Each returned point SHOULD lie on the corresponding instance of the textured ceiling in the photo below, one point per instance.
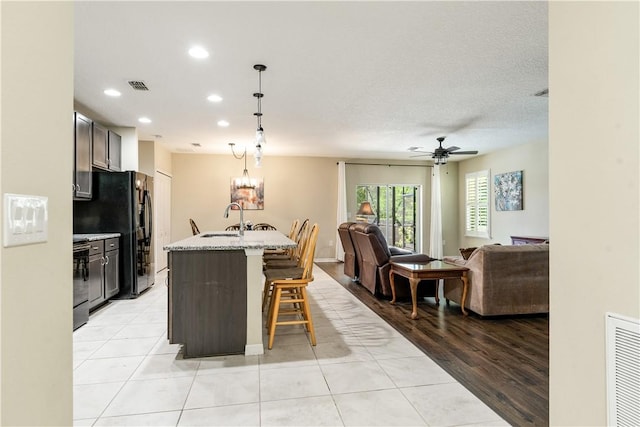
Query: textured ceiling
(346, 79)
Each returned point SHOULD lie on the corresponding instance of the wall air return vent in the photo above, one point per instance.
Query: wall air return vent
(623, 370)
(138, 85)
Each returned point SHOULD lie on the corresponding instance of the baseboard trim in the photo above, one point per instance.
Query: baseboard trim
(326, 260)
(253, 349)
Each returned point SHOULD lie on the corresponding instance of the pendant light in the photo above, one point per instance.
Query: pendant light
(245, 182)
(260, 138)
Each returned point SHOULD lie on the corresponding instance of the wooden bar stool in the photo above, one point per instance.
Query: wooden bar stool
(292, 292)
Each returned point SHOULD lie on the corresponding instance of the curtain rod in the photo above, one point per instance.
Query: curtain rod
(385, 164)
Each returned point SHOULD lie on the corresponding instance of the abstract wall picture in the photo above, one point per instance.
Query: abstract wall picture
(249, 196)
(508, 191)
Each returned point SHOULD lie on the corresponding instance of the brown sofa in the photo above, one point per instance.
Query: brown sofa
(504, 280)
(374, 257)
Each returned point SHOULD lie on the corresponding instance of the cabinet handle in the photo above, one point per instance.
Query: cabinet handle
(94, 247)
(112, 244)
(107, 260)
(102, 261)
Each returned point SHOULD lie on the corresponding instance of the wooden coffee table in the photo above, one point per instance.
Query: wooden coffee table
(432, 270)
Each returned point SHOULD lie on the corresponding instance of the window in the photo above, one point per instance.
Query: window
(396, 210)
(477, 208)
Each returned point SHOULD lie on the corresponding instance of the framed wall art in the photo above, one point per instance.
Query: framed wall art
(250, 197)
(507, 189)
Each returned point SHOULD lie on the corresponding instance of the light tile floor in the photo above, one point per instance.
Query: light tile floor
(362, 372)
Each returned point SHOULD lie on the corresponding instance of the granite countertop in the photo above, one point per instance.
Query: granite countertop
(229, 240)
(93, 237)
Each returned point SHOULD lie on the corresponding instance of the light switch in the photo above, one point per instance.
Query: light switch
(25, 219)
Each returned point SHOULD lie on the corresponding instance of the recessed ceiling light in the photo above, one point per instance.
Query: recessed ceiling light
(223, 123)
(214, 98)
(198, 52)
(144, 120)
(112, 92)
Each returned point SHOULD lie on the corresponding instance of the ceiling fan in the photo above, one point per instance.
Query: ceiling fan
(440, 154)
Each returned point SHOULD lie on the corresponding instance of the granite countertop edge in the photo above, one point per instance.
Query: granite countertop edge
(224, 247)
(226, 243)
(91, 237)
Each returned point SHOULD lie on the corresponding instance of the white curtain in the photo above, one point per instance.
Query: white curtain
(341, 215)
(435, 241)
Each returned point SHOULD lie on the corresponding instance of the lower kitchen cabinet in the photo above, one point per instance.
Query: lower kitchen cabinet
(96, 274)
(111, 267)
(104, 271)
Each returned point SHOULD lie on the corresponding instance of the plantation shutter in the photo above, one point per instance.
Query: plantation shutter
(477, 204)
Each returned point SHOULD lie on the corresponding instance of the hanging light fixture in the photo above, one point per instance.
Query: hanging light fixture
(245, 182)
(260, 138)
(440, 160)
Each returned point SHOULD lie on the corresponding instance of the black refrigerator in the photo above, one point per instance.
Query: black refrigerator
(122, 203)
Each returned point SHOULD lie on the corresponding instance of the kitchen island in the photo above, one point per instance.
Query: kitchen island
(215, 291)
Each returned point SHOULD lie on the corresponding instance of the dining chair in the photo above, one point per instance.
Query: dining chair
(293, 253)
(263, 226)
(194, 227)
(289, 293)
(294, 258)
(282, 252)
(289, 262)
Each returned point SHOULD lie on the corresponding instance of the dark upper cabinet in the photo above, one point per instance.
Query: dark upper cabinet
(114, 155)
(83, 157)
(100, 146)
(106, 149)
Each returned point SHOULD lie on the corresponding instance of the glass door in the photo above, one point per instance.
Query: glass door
(396, 209)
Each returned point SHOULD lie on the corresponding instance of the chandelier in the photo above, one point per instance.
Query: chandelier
(260, 138)
(245, 182)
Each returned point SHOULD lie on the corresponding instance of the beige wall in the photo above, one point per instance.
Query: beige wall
(594, 196)
(163, 159)
(146, 157)
(37, 154)
(294, 187)
(533, 220)
(152, 157)
(450, 208)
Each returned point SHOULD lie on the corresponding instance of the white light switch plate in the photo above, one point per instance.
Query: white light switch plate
(25, 219)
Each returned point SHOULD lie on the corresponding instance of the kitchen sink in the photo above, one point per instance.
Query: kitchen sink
(220, 235)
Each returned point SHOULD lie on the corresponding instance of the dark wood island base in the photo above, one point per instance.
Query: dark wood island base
(208, 302)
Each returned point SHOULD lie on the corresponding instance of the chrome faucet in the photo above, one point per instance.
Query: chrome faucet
(226, 215)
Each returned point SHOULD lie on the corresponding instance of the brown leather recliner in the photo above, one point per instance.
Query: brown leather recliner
(350, 259)
(375, 256)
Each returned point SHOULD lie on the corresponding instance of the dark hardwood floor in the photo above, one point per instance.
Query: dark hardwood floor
(504, 361)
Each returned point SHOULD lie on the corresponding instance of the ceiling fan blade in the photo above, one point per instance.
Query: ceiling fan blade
(452, 148)
(423, 155)
(465, 152)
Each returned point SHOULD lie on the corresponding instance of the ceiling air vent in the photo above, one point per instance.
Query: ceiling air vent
(138, 85)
